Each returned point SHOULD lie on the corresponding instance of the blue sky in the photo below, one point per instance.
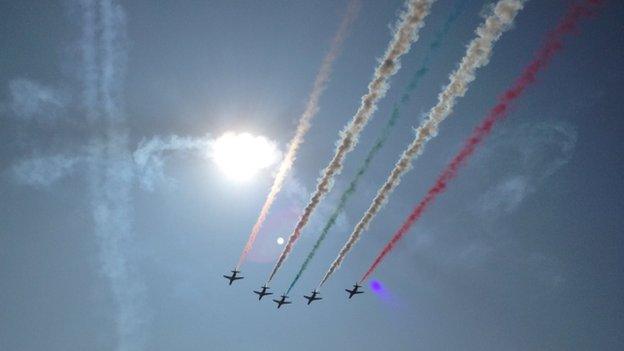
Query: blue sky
(522, 253)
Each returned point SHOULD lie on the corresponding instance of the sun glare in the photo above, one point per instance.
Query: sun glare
(241, 156)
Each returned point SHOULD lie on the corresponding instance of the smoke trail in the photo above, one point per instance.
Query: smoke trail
(406, 33)
(149, 160)
(312, 107)
(110, 162)
(458, 9)
(477, 55)
(348, 192)
(154, 147)
(385, 133)
(553, 44)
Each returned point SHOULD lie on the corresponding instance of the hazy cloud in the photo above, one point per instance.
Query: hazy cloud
(534, 151)
(504, 196)
(512, 166)
(149, 157)
(43, 171)
(29, 99)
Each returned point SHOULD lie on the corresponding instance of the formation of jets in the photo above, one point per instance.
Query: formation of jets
(283, 298)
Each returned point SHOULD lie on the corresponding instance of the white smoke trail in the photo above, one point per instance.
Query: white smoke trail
(312, 107)
(148, 149)
(477, 55)
(149, 160)
(110, 163)
(410, 22)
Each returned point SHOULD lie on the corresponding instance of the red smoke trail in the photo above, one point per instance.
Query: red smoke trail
(554, 43)
(304, 124)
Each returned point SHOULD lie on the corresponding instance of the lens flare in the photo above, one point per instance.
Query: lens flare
(375, 286)
(382, 293)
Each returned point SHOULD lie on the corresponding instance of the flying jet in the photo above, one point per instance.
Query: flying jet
(313, 297)
(282, 301)
(263, 292)
(233, 277)
(354, 291)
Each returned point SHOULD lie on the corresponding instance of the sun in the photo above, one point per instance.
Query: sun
(241, 156)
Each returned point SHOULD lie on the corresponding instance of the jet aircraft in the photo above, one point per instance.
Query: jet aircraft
(354, 290)
(262, 293)
(233, 277)
(282, 301)
(313, 297)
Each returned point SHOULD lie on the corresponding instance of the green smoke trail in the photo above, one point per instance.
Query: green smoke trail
(385, 133)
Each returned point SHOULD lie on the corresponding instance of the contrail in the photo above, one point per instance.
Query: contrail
(477, 55)
(383, 136)
(110, 163)
(410, 22)
(554, 43)
(312, 107)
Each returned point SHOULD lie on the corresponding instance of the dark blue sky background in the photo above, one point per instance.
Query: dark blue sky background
(524, 251)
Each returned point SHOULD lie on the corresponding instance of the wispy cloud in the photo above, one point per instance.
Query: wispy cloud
(505, 196)
(526, 154)
(108, 159)
(42, 171)
(535, 151)
(111, 169)
(149, 157)
(32, 100)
